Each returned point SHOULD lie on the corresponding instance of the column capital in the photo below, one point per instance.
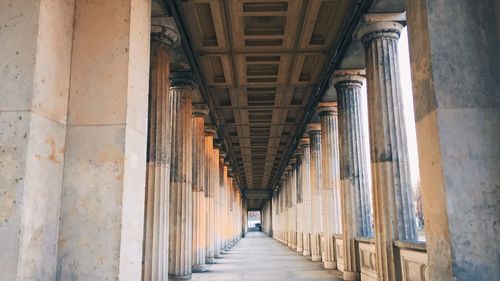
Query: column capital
(182, 79)
(163, 30)
(348, 77)
(313, 128)
(200, 110)
(304, 142)
(379, 29)
(327, 108)
(210, 130)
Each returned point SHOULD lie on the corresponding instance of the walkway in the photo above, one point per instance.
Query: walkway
(259, 257)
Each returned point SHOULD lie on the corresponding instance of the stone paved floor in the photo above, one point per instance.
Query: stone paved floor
(259, 257)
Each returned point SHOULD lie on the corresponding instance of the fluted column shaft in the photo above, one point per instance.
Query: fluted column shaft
(388, 143)
(158, 162)
(226, 228)
(199, 202)
(332, 217)
(293, 200)
(181, 193)
(299, 217)
(354, 171)
(217, 200)
(316, 183)
(209, 196)
(306, 193)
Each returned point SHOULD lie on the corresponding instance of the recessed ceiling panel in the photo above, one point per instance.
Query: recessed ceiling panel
(262, 60)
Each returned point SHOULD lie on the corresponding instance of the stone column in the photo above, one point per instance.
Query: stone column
(217, 182)
(231, 212)
(101, 220)
(306, 194)
(200, 111)
(299, 217)
(181, 192)
(393, 210)
(288, 205)
(225, 185)
(163, 37)
(210, 193)
(454, 51)
(354, 169)
(332, 216)
(314, 132)
(293, 201)
(36, 41)
(245, 218)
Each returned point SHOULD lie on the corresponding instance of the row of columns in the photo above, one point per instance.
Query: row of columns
(193, 203)
(332, 186)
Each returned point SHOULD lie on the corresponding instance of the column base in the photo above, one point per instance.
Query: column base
(218, 256)
(330, 265)
(179, 278)
(350, 275)
(199, 268)
(210, 260)
(294, 247)
(306, 253)
(316, 257)
(300, 250)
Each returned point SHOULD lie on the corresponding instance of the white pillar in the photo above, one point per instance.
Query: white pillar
(181, 192)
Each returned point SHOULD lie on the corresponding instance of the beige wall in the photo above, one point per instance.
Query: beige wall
(35, 40)
(73, 112)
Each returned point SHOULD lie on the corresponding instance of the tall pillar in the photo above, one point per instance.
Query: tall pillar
(388, 143)
(354, 170)
(102, 203)
(181, 192)
(36, 41)
(244, 223)
(210, 193)
(200, 111)
(293, 201)
(299, 198)
(163, 37)
(332, 215)
(455, 50)
(225, 186)
(288, 205)
(306, 193)
(217, 182)
(314, 132)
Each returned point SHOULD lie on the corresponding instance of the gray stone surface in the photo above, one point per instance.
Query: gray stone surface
(455, 51)
(35, 39)
(258, 257)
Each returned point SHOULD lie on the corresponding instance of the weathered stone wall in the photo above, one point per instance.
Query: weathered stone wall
(35, 39)
(455, 54)
(102, 209)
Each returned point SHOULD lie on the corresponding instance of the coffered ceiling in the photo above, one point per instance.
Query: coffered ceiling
(262, 62)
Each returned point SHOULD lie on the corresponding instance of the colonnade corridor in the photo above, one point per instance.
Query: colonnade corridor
(141, 139)
(261, 258)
